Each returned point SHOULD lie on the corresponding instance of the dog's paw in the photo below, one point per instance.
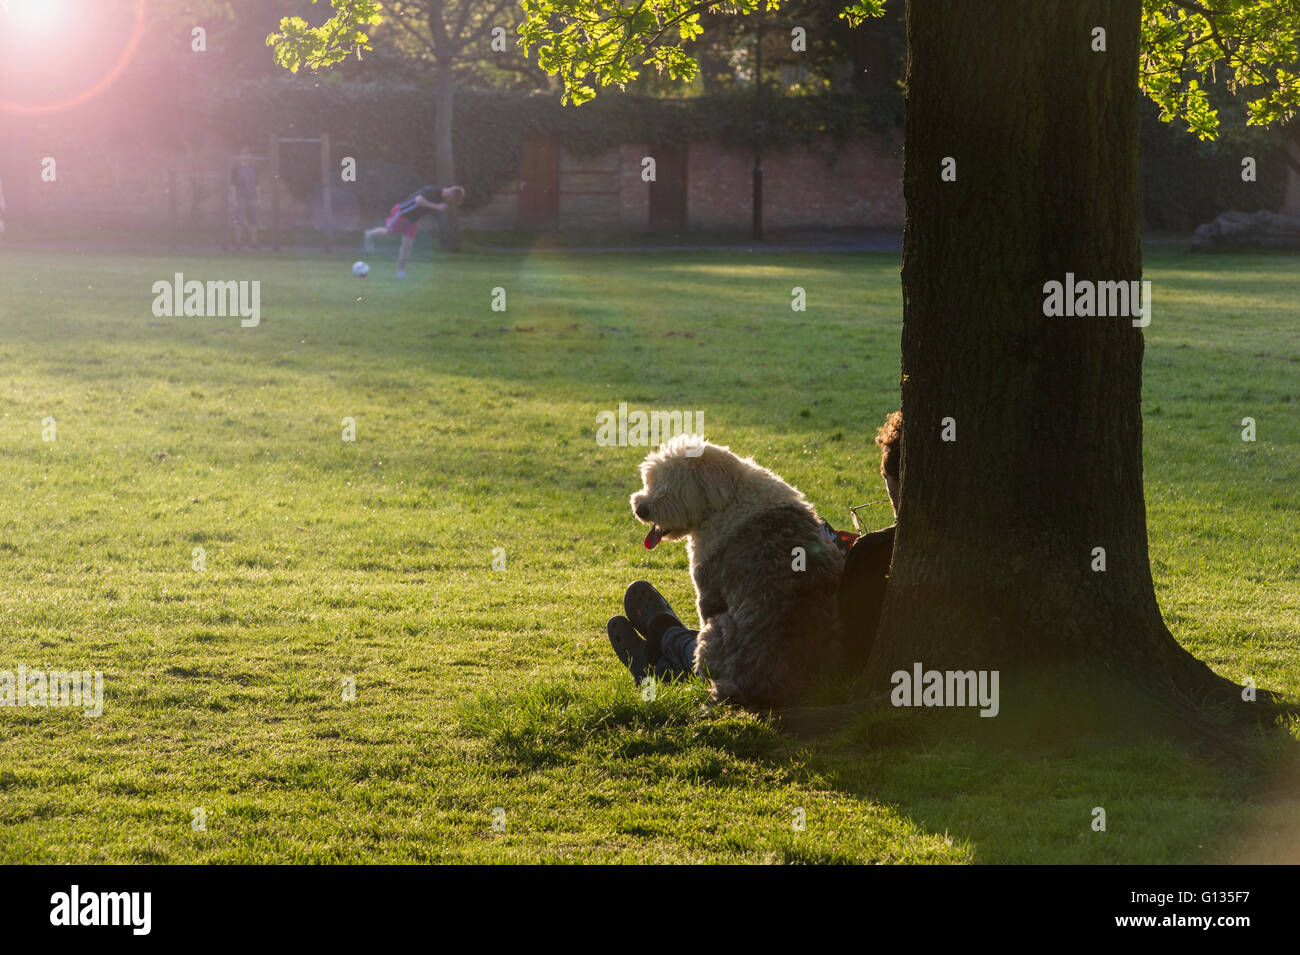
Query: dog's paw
(724, 691)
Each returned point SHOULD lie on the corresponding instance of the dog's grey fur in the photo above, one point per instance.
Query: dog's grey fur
(766, 629)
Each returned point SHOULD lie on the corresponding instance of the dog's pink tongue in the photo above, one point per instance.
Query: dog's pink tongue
(654, 537)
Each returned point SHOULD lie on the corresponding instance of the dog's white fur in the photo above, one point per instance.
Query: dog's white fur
(766, 628)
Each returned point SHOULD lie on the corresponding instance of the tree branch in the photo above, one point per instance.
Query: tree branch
(401, 21)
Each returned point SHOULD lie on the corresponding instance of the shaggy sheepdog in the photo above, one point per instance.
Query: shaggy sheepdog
(765, 572)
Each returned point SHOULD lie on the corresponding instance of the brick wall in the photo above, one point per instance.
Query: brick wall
(862, 188)
(803, 189)
(634, 195)
(104, 182)
(590, 194)
(500, 212)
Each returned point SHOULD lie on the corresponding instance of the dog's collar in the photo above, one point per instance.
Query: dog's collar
(841, 539)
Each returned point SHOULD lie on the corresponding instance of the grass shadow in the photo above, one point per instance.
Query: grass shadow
(1062, 777)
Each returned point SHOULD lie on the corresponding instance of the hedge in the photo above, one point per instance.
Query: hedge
(1185, 181)
(389, 130)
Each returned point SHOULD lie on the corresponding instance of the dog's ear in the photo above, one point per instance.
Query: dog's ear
(716, 471)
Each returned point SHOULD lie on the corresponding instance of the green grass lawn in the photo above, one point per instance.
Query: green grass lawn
(479, 689)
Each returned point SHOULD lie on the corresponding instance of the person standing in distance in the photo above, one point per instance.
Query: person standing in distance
(243, 199)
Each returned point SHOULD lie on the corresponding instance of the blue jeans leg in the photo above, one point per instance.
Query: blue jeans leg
(678, 653)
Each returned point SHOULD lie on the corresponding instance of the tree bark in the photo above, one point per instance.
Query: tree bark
(992, 565)
(444, 111)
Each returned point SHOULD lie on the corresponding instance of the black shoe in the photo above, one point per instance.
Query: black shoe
(629, 647)
(642, 603)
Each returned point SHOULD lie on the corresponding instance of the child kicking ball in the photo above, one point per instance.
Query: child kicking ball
(404, 219)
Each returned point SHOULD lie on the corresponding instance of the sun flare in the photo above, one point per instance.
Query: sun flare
(32, 17)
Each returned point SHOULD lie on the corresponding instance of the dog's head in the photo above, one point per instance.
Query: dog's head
(686, 480)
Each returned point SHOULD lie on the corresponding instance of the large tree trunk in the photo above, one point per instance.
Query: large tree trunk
(444, 94)
(992, 567)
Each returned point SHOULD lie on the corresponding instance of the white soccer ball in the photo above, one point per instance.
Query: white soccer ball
(360, 269)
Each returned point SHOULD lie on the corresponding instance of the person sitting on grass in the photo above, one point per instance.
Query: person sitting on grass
(651, 640)
(404, 219)
(866, 569)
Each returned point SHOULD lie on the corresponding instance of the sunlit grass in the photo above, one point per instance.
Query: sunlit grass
(478, 689)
